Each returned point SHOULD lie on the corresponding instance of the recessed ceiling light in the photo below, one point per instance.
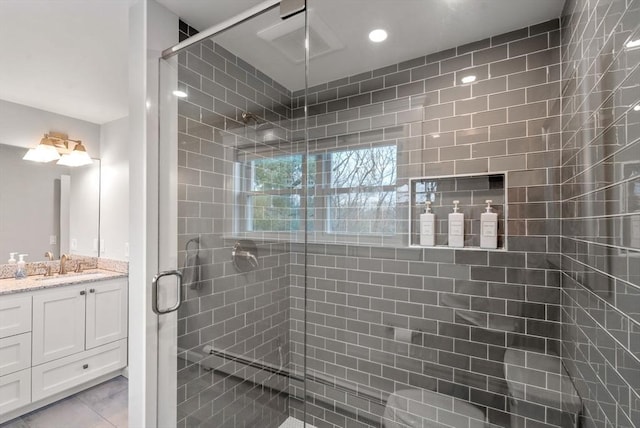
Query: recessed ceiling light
(436, 135)
(633, 43)
(469, 79)
(180, 94)
(378, 35)
(637, 107)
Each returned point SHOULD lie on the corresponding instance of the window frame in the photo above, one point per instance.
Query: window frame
(321, 191)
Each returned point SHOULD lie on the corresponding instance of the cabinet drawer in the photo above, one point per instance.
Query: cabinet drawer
(15, 353)
(65, 373)
(15, 390)
(15, 315)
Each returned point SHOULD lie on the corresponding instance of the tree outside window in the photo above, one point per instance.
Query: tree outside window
(352, 191)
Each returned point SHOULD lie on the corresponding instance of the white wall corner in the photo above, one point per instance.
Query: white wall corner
(114, 188)
(152, 28)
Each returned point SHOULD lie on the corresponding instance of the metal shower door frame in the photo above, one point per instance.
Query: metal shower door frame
(167, 215)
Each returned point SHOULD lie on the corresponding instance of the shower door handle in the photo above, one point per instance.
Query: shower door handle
(154, 291)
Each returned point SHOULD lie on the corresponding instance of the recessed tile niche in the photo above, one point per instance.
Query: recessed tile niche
(472, 191)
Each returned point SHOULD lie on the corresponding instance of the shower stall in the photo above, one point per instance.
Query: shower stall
(296, 159)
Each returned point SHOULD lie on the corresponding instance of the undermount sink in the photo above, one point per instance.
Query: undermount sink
(71, 276)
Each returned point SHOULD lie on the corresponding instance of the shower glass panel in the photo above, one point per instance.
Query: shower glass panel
(232, 197)
(293, 196)
(456, 104)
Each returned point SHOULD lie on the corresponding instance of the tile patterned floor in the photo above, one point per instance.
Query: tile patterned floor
(103, 406)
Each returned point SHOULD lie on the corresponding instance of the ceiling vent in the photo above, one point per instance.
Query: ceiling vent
(288, 37)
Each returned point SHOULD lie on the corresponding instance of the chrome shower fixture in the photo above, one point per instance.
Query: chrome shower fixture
(247, 116)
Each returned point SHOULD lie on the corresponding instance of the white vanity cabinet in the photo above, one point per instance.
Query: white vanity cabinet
(72, 319)
(78, 334)
(58, 323)
(15, 391)
(15, 352)
(53, 341)
(15, 315)
(106, 313)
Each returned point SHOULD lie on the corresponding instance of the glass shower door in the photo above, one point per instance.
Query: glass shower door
(232, 205)
(404, 109)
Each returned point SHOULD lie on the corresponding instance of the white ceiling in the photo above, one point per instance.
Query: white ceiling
(66, 56)
(70, 56)
(415, 27)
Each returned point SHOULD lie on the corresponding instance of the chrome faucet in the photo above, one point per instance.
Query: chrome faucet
(63, 261)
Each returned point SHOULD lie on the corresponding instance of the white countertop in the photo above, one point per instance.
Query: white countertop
(39, 282)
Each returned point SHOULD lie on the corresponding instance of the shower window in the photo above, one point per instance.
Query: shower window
(351, 191)
(362, 193)
(275, 194)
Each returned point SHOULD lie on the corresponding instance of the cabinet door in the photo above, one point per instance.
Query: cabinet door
(106, 312)
(58, 323)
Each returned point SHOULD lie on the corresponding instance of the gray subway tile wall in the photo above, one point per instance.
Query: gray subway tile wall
(463, 307)
(241, 314)
(600, 152)
(565, 137)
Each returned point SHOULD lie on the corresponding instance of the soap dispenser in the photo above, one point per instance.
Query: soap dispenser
(489, 228)
(456, 227)
(21, 271)
(427, 227)
(12, 258)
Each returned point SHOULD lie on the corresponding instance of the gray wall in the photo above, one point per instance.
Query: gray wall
(600, 159)
(30, 205)
(465, 307)
(245, 314)
(24, 126)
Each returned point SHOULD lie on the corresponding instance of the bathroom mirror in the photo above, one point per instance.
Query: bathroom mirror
(47, 207)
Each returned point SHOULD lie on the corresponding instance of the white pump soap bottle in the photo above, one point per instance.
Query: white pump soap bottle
(456, 227)
(427, 227)
(489, 228)
(21, 271)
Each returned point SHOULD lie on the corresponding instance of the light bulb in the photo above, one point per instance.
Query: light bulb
(378, 35)
(469, 79)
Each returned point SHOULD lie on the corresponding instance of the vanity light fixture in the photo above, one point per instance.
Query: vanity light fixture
(77, 157)
(378, 35)
(56, 146)
(46, 151)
